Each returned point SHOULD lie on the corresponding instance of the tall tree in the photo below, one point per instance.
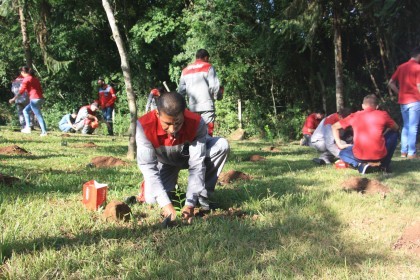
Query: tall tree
(25, 39)
(125, 67)
(338, 56)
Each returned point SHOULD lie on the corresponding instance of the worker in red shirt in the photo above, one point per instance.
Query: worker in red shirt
(374, 141)
(106, 99)
(311, 123)
(32, 86)
(408, 77)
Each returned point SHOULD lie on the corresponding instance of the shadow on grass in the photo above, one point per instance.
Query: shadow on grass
(292, 244)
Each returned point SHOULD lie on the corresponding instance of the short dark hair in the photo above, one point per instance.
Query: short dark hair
(371, 100)
(319, 111)
(202, 53)
(171, 103)
(27, 70)
(415, 52)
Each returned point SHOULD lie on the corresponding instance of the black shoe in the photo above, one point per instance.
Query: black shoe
(386, 170)
(366, 168)
(319, 161)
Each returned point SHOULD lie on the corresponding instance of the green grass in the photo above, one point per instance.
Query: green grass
(298, 223)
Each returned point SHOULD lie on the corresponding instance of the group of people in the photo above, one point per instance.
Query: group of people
(29, 98)
(366, 140)
(171, 136)
(86, 120)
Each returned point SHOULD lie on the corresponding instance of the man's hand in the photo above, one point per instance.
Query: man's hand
(12, 100)
(187, 213)
(169, 210)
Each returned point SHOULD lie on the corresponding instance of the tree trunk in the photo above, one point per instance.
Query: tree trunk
(339, 85)
(272, 96)
(323, 92)
(125, 66)
(25, 38)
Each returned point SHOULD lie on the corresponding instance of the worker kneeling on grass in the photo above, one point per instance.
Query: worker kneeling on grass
(173, 138)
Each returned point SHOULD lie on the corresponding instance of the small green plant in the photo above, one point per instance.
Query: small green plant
(178, 198)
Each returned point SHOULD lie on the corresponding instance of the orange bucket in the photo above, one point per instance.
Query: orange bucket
(94, 194)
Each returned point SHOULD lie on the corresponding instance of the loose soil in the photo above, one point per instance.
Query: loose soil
(231, 176)
(65, 135)
(410, 239)
(117, 210)
(13, 150)
(88, 145)
(256, 158)
(364, 185)
(271, 149)
(8, 180)
(107, 162)
(237, 135)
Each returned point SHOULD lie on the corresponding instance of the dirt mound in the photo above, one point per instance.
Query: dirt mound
(271, 149)
(65, 135)
(237, 135)
(107, 162)
(117, 210)
(8, 180)
(89, 145)
(364, 185)
(232, 175)
(13, 150)
(256, 158)
(410, 239)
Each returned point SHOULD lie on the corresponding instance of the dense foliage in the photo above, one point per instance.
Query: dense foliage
(276, 56)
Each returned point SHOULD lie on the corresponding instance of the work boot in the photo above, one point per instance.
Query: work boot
(319, 161)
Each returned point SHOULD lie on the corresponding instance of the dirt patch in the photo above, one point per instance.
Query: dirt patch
(232, 175)
(256, 158)
(88, 145)
(410, 239)
(65, 135)
(107, 162)
(13, 150)
(8, 180)
(117, 210)
(364, 185)
(271, 149)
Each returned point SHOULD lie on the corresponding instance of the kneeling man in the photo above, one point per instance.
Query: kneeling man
(172, 138)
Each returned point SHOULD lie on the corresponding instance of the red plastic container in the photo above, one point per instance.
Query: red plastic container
(94, 194)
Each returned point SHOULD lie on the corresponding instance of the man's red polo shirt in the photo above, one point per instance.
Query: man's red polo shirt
(368, 127)
(408, 76)
(311, 122)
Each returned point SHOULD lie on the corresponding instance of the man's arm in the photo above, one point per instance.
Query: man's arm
(113, 98)
(336, 133)
(182, 88)
(393, 86)
(214, 83)
(147, 163)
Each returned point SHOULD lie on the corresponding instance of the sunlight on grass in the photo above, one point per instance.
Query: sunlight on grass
(291, 220)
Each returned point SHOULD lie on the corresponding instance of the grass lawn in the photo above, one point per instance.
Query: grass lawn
(290, 221)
